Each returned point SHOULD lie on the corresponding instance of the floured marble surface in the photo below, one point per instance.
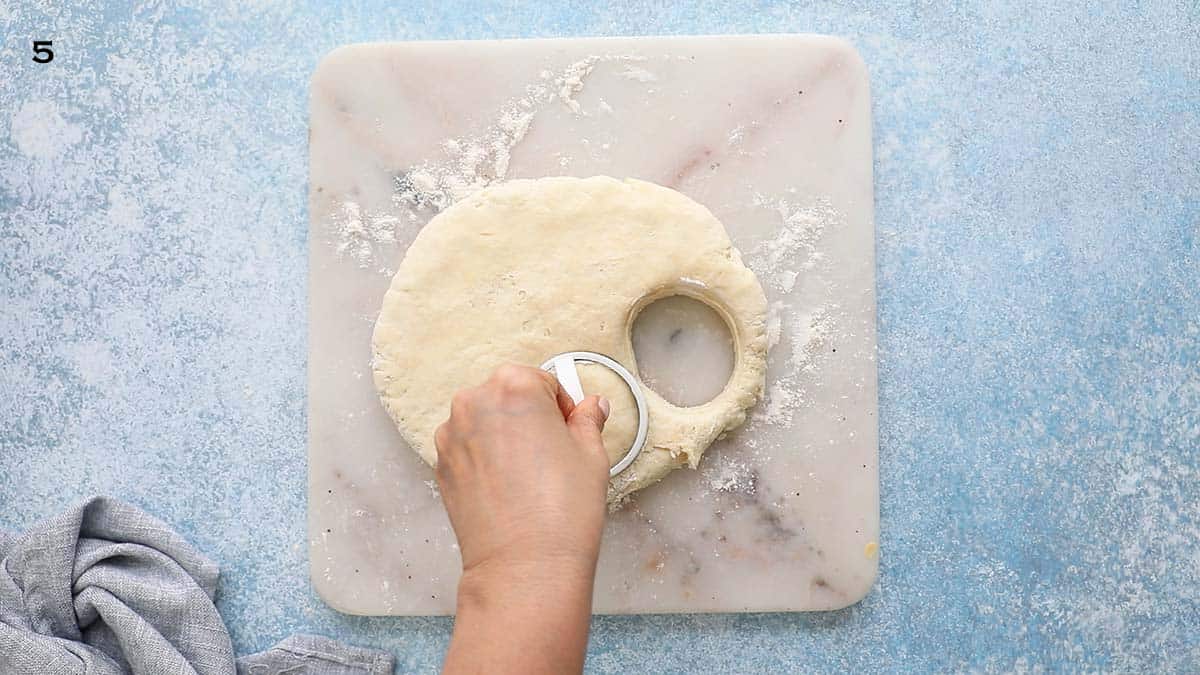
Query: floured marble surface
(772, 133)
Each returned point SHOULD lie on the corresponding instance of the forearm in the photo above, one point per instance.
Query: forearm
(522, 619)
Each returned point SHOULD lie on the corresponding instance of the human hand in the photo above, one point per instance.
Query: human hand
(523, 475)
(523, 472)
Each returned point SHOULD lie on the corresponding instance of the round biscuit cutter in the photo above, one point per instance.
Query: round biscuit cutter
(563, 368)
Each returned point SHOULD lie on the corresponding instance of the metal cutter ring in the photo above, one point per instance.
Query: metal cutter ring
(563, 367)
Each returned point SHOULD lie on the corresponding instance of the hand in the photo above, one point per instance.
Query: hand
(523, 472)
(523, 475)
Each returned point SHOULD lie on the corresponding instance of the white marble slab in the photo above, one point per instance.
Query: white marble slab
(773, 134)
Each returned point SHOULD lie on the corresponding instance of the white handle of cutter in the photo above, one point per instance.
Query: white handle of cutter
(568, 376)
(563, 366)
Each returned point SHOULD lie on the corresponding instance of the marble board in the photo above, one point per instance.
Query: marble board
(771, 133)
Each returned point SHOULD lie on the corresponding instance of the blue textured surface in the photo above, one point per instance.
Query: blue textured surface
(1038, 210)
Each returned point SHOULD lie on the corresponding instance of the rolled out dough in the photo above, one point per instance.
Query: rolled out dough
(527, 269)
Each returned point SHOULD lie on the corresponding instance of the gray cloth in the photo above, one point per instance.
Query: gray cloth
(321, 656)
(105, 588)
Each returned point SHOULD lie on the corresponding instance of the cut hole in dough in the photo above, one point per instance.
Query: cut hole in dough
(684, 350)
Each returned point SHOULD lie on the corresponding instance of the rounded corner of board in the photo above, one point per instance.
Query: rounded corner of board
(325, 591)
(847, 55)
(863, 589)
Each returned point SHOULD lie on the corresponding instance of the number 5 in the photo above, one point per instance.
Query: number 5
(42, 52)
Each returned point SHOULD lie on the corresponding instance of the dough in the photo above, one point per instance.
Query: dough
(527, 269)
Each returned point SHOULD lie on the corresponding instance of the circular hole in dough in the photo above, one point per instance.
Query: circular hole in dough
(684, 350)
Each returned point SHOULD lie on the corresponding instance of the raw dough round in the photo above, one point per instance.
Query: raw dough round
(527, 269)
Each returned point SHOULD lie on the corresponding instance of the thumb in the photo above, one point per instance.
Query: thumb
(588, 418)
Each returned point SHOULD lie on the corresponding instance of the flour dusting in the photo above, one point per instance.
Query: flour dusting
(433, 488)
(804, 332)
(774, 324)
(810, 333)
(729, 474)
(471, 162)
(736, 140)
(635, 73)
(571, 82)
(360, 232)
(795, 248)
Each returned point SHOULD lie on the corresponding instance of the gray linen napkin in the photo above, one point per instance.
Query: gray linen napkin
(106, 588)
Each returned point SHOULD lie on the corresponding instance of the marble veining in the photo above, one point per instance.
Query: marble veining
(772, 133)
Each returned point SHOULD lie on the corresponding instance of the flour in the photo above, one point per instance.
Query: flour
(359, 233)
(571, 82)
(810, 334)
(638, 74)
(804, 332)
(728, 474)
(736, 140)
(433, 489)
(774, 324)
(472, 162)
(797, 240)
(785, 280)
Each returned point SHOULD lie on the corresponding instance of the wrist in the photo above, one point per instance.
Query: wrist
(494, 583)
(520, 616)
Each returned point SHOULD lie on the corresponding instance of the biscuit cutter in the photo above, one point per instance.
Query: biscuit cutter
(562, 367)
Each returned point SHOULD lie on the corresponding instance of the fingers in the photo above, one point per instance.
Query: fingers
(564, 401)
(441, 437)
(510, 387)
(587, 420)
(565, 404)
(524, 380)
(444, 442)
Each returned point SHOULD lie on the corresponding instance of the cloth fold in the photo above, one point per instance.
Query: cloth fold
(106, 588)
